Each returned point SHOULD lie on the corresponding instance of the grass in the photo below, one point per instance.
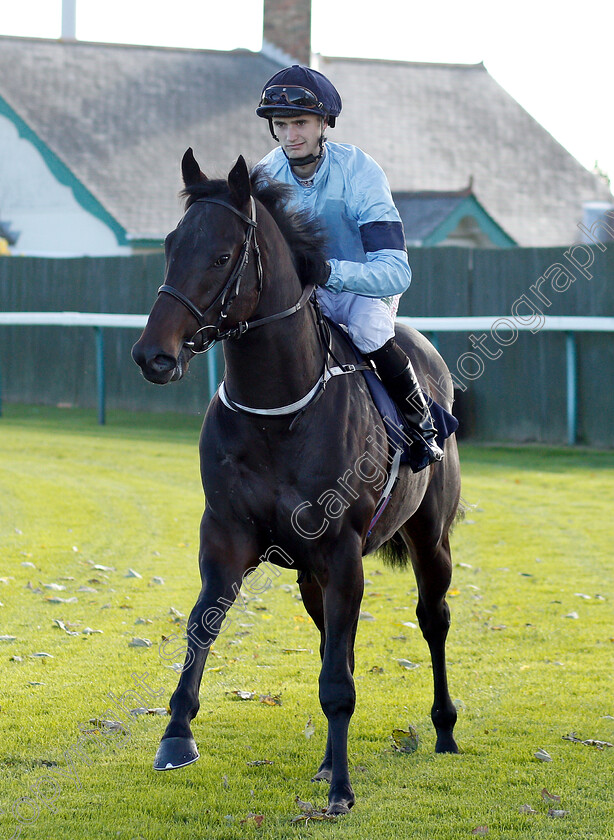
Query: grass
(534, 549)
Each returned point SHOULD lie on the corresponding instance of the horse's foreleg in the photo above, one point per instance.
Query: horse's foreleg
(313, 603)
(433, 577)
(222, 570)
(342, 595)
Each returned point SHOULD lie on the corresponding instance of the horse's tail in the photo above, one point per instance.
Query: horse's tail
(394, 552)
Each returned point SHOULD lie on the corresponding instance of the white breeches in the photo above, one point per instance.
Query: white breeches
(369, 321)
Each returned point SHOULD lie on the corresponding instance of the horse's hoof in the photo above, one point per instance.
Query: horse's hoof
(340, 801)
(338, 809)
(323, 776)
(175, 752)
(446, 744)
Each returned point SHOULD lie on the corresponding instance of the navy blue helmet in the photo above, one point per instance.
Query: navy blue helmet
(300, 89)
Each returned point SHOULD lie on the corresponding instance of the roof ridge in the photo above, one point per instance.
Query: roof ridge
(454, 65)
(61, 42)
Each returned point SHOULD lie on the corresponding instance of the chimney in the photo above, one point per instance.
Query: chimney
(287, 28)
(69, 20)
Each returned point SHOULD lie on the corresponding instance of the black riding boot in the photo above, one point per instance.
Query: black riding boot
(397, 374)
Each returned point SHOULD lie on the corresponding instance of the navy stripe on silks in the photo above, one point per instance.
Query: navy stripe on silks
(377, 236)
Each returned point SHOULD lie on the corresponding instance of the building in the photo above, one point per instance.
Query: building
(91, 137)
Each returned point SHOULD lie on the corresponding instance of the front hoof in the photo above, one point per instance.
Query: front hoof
(446, 744)
(175, 752)
(338, 809)
(340, 803)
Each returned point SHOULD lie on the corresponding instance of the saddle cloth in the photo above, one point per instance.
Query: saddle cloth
(445, 423)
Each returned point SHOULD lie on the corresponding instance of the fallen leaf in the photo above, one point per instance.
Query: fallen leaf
(158, 580)
(225, 781)
(16, 659)
(63, 627)
(100, 568)
(56, 587)
(542, 755)
(87, 631)
(590, 742)
(405, 740)
(138, 642)
(552, 812)
(296, 650)
(143, 621)
(255, 818)
(87, 589)
(550, 797)
(311, 813)
(480, 829)
(243, 695)
(405, 663)
(572, 615)
(7, 638)
(41, 655)
(309, 729)
(99, 724)
(259, 762)
(366, 616)
(57, 600)
(132, 574)
(271, 699)
(526, 809)
(376, 669)
(411, 624)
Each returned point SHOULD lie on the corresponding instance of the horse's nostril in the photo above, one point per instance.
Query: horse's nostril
(162, 363)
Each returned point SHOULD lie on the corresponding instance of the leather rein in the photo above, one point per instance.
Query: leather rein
(232, 288)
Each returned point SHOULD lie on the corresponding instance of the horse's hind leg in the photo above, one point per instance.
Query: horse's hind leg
(433, 568)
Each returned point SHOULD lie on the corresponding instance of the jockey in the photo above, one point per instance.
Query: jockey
(367, 257)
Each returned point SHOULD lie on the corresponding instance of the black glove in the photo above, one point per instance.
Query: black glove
(324, 276)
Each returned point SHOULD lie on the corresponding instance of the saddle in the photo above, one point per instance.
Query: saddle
(445, 423)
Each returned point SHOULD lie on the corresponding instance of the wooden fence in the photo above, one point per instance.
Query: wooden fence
(511, 384)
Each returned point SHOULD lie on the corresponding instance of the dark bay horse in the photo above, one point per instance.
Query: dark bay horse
(294, 484)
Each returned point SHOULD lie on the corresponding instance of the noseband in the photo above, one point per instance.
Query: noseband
(232, 287)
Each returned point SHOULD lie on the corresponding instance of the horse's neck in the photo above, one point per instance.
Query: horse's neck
(278, 363)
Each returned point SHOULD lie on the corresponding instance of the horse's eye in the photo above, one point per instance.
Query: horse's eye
(222, 260)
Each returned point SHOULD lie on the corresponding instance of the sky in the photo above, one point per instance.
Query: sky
(555, 59)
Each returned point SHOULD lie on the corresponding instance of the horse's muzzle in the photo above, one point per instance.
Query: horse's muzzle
(159, 368)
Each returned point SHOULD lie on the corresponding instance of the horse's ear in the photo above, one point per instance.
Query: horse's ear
(191, 170)
(238, 181)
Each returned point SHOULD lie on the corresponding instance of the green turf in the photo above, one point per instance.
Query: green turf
(536, 538)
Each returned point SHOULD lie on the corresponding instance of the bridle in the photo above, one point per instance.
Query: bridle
(232, 287)
(229, 294)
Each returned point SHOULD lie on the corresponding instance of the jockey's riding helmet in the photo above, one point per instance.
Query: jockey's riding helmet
(302, 90)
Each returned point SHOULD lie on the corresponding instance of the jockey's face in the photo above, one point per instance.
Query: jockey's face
(299, 136)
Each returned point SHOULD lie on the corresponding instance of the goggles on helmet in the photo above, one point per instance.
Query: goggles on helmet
(292, 96)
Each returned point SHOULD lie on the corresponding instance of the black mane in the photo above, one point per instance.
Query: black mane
(304, 234)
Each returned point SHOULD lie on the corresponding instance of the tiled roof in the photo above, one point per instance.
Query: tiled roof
(120, 117)
(433, 126)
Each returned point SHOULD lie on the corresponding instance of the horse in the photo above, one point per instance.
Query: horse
(288, 450)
